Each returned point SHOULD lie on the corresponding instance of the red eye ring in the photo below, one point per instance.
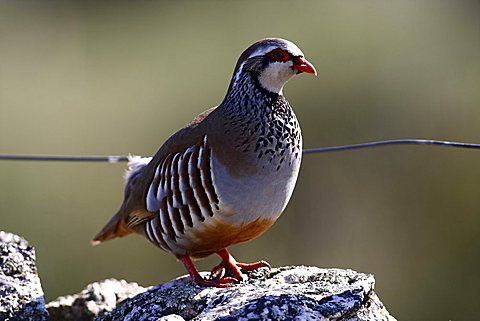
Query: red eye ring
(279, 55)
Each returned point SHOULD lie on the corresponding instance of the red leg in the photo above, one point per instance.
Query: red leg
(199, 280)
(230, 266)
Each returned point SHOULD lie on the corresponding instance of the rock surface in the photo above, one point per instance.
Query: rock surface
(95, 298)
(21, 295)
(286, 293)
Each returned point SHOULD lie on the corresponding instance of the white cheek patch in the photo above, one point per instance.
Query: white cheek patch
(276, 75)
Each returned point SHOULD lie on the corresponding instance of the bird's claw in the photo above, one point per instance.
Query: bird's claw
(245, 267)
(234, 269)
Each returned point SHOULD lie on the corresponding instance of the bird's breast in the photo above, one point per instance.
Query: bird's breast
(224, 190)
(262, 193)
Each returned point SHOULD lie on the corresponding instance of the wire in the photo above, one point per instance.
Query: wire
(391, 142)
(64, 158)
(119, 158)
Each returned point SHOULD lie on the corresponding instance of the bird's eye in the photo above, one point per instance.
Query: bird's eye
(279, 55)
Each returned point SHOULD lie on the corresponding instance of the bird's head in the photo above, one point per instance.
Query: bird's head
(272, 62)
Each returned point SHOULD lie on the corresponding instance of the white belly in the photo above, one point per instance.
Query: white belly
(263, 195)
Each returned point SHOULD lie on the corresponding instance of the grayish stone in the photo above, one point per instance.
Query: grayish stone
(286, 293)
(21, 294)
(171, 317)
(95, 298)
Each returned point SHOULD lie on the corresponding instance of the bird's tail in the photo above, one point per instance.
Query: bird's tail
(116, 227)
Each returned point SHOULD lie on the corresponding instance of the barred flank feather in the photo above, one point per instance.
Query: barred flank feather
(181, 193)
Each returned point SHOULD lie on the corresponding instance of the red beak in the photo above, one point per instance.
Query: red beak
(302, 65)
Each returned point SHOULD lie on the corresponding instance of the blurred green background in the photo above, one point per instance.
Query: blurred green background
(118, 77)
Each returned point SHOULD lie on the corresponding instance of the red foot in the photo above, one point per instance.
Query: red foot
(199, 280)
(230, 267)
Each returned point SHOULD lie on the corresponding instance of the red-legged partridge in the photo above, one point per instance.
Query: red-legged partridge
(227, 176)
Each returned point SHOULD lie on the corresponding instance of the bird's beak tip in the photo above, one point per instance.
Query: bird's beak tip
(303, 65)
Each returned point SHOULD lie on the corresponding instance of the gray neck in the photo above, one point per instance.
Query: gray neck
(263, 122)
(246, 96)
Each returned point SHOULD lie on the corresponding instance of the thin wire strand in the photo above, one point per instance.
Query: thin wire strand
(119, 158)
(64, 158)
(442, 143)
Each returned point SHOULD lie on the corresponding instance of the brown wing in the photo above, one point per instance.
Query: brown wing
(133, 210)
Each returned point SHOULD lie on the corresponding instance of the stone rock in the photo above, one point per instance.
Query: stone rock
(286, 293)
(21, 294)
(95, 298)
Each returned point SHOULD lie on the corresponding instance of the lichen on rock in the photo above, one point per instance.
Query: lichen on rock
(96, 298)
(286, 293)
(21, 294)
